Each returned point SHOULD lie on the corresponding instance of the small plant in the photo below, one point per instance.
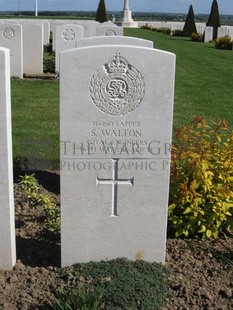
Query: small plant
(147, 27)
(201, 189)
(48, 48)
(196, 37)
(224, 43)
(49, 64)
(127, 285)
(32, 190)
(53, 217)
(177, 33)
(77, 299)
(166, 30)
(30, 186)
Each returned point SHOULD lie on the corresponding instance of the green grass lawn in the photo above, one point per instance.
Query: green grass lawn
(35, 120)
(204, 76)
(204, 79)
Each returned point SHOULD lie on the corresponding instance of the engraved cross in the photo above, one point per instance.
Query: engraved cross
(114, 181)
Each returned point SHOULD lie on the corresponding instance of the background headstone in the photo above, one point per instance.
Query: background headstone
(117, 40)
(7, 225)
(208, 34)
(109, 30)
(66, 35)
(116, 107)
(222, 32)
(11, 36)
(33, 48)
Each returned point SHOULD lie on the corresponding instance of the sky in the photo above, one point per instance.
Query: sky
(165, 6)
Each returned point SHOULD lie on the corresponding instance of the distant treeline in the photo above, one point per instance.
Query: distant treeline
(150, 16)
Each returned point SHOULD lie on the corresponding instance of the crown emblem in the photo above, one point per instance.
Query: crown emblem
(117, 64)
(117, 88)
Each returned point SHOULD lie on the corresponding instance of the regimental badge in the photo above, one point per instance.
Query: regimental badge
(110, 33)
(68, 35)
(8, 33)
(117, 88)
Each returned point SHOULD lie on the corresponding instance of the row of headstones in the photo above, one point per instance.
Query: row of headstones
(67, 36)
(26, 39)
(25, 43)
(116, 107)
(201, 28)
(222, 32)
(172, 25)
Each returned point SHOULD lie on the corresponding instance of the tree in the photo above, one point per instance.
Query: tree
(189, 26)
(214, 20)
(101, 14)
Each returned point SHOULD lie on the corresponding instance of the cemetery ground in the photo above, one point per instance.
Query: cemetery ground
(201, 271)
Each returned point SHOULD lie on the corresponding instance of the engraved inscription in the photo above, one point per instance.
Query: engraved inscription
(68, 35)
(117, 88)
(110, 33)
(8, 33)
(114, 181)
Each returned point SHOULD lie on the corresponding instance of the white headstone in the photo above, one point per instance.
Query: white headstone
(109, 30)
(44, 23)
(222, 32)
(208, 34)
(33, 48)
(200, 27)
(11, 36)
(116, 124)
(117, 40)
(66, 35)
(230, 32)
(89, 28)
(7, 225)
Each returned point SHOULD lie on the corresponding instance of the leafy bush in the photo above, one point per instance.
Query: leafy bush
(197, 37)
(48, 48)
(32, 190)
(224, 43)
(124, 284)
(49, 64)
(201, 189)
(166, 30)
(74, 299)
(177, 33)
(147, 27)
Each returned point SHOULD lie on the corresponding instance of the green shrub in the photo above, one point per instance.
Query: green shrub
(73, 299)
(201, 187)
(32, 191)
(49, 64)
(224, 43)
(147, 27)
(30, 187)
(196, 37)
(177, 33)
(166, 30)
(48, 48)
(124, 284)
